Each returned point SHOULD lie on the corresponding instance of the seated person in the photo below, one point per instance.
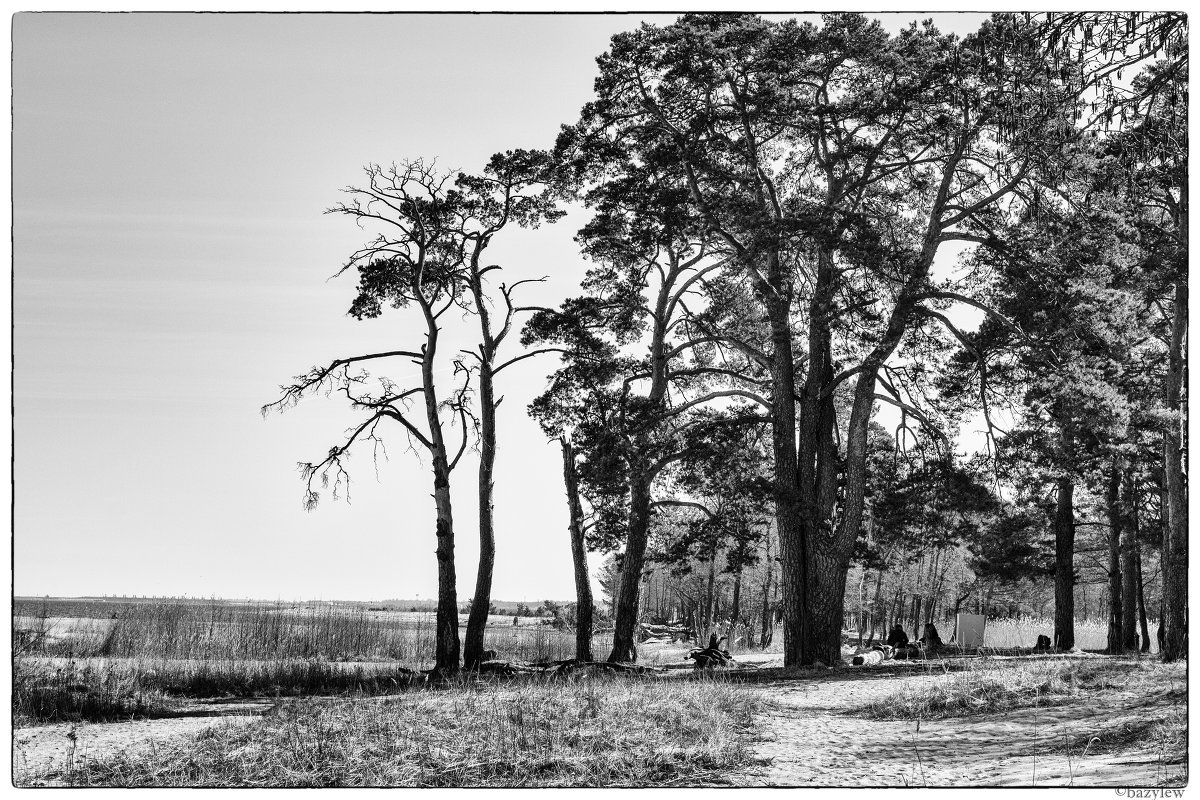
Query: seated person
(897, 637)
(930, 640)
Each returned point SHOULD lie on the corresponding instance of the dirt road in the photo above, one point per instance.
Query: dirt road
(811, 740)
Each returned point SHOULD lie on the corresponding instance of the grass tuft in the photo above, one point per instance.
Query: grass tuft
(608, 731)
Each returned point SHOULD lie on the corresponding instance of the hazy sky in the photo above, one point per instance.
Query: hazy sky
(171, 264)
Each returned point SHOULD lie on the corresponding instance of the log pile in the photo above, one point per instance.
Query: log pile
(671, 632)
(560, 669)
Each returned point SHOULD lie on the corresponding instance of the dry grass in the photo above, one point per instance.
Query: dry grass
(1023, 632)
(97, 668)
(986, 686)
(214, 630)
(100, 690)
(596, 732)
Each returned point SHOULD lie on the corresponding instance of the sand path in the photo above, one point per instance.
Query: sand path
(811, 740)
(43, 753)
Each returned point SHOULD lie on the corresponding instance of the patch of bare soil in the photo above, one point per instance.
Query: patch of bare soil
(44, 754)
(812, 740)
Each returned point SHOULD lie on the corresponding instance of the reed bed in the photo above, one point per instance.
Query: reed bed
(222, 631)
(604, 731)
(140, 663)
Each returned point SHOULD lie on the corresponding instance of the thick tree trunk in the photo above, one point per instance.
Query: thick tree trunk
(1116, 640)
(787, 501)
(482, 601)
(816, 473)
(624, 639)
(1175, 544)
(1064, 565)
(1129, 566)
(583, 583)
(826, 590)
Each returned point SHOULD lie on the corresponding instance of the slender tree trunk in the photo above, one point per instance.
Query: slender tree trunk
(862, 577)
(1129, 559)
(1141, 597)
(447, 645)
(1175, 545)
(767, 621)
(482, 600)
(583, 583)
(1116, 639)
(1064, 565)
(875, 609)
(446, 656)
(708, 598)
(624, 644)
(735, 606)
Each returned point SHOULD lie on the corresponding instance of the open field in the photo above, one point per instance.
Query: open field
(212, 694)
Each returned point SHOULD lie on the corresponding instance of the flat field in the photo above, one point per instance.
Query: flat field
(206, 693)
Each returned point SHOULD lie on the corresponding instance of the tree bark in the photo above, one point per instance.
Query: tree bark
(624, 645)
(735, 606)
(1175, 544)
(1116, 639)
(1129, 566)
(482, 601)
(447, 649)
(583, 583)
(446, 657)
(767, 616)
(826, 588)
(792, 534)
(1064, 565)
(708, 597)
(1141, 598)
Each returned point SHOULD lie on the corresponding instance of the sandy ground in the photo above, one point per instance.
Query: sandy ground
(41, 754)
(812, 741)
(809, 738)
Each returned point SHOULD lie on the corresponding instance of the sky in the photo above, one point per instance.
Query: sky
(172, 268)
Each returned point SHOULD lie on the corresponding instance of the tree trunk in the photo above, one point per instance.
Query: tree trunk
(624, 644)
(1129, 545)
(447, 649)
(1064, 565)
(482, 601)
(826, 589)
(735, 606)
(875, 610)
(1116, 640)
(767, 621)
(583, 583)
(1175, 544)
(708, 598)
(1141, 598)
(792, 541)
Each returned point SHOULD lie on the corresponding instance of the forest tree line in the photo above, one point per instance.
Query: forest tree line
(791, 226)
